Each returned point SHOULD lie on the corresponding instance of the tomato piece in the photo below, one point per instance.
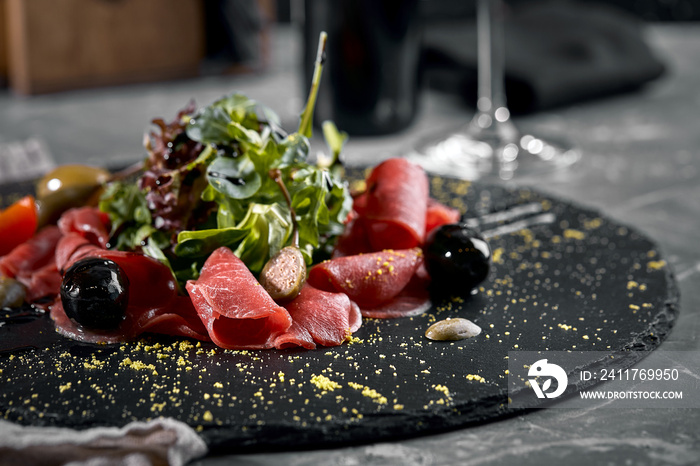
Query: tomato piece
(17, 224)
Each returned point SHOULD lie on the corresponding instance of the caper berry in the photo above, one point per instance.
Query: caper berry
(95, 293)
(457, 258)
(284, 274)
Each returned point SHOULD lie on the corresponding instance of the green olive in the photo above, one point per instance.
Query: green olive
(68, 186)
(284, 274)
(12, 292)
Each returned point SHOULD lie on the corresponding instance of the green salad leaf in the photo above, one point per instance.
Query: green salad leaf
(130, 217)
(208, 183)
(252, 217)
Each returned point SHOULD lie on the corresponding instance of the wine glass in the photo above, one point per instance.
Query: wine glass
(490, 145)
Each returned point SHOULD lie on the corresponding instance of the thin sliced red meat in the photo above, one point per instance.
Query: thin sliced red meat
(359, 203)
(439, 214)
(34, 263)
(32, 255)
(413, 300)
(354, 239)
(154, 305)
(237, 312)
(89, 222)
(44, 284)
(319, 317)
(296, 336)
(178, 318)
(397, 199)
(387, 215)
(71, 248)
(169, 319)
(368, 279)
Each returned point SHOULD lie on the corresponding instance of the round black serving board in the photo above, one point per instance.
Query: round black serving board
(581, 283)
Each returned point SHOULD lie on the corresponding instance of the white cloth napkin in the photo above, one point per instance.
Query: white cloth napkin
(159, 442)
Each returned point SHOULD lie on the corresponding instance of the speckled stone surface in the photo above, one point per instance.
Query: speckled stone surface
(640, 167)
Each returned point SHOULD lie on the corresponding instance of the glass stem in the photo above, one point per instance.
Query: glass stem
(492, 114)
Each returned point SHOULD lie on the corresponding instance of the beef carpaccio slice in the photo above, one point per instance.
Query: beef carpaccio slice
(32, 264)
(90, 223)
(413, 300)
(154, 304)
(35, 263)
(438, 214)
(374, 280)
(236, 310)
(319, 317)
(394, 210)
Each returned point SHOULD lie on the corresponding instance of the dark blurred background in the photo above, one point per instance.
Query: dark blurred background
(648, 10)
(55, 45)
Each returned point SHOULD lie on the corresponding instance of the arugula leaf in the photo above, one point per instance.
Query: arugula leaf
(211, 126)
(295, 150)
(252, 217)
(335, 140)
(219, 191)
(235, 178)
(200, 243)
(129, 214)
(268, 231)
(232, 118)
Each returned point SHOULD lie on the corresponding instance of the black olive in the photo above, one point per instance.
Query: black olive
(457, 258)
(95, 293)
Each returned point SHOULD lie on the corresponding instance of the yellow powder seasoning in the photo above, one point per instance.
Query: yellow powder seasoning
(324, 383)
(443, 389)
(477, 378)
(353, 340)
(138, 365)
(158, 407)
(574, 234)
(592, 224)
(369, 393)
(656, 265)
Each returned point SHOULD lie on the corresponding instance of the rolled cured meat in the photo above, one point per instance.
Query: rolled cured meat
(396, 203)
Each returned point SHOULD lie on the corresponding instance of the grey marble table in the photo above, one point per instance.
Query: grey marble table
(640, 165)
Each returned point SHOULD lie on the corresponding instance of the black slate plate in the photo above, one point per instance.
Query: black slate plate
(581, 283)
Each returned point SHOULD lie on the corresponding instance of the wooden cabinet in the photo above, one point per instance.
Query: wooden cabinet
(64, 44)
(3, 43)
